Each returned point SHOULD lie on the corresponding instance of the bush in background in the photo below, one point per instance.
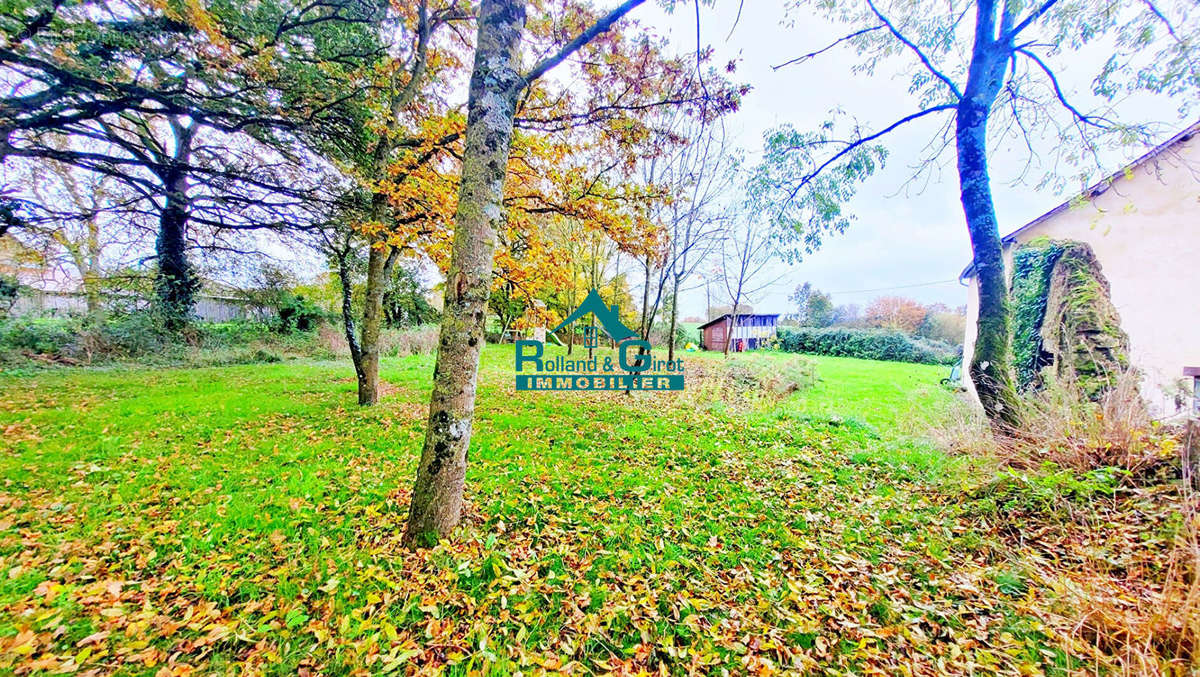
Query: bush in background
(9, 290)
(685, 335)
(43, 335)
(74, 339)
(297, 313)
(867, 344)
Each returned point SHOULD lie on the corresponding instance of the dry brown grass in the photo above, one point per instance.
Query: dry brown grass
(392, 342)
(1063, 427)
(1148, 622)
(414, 341)
(333, 339)
(743, 382)
(1142, 617)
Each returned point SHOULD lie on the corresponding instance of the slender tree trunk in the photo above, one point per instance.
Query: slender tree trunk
(729, 333)
(495, 84)
(592, 346)
(175, 283)
(647, 319)
(356, 353)
(991, 367)
(674, 317)
(368, 381)
(91, 270)
(733, 316)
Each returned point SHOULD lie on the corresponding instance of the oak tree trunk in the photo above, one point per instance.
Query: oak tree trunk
(175, 284)
(367, 367)
(495, 84)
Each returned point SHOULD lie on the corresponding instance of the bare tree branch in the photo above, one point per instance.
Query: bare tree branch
(1093, 120)
(826, 48)
(582, 39)
(1036, 14)
(916, 50)
(850, 146)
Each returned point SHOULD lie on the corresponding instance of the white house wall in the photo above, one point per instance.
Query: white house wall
(1145, 231)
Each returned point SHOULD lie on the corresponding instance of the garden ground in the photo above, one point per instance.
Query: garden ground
(248, 519)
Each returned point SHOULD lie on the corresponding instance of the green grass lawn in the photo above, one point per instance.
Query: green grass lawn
(248, 519)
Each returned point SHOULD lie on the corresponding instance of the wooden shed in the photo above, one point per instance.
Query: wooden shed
(753, 331)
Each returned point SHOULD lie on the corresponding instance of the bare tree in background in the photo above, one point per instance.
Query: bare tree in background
(696, 174)
(747, 252)
(81, 231)
(706, 170)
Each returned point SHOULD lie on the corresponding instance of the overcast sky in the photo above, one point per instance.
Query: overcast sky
(898, 238)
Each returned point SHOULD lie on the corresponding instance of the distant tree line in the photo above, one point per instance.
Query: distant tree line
(937, 321)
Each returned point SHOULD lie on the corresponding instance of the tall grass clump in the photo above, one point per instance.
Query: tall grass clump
(744, 381)
(1062, 426)
(1150, 623)
(1110, 472)
(420, 340)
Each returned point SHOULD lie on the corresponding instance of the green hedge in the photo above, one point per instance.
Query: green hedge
(868, 344)
(79, 339)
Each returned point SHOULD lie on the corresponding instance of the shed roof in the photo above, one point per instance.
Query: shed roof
(1096, 189)
(740, 315)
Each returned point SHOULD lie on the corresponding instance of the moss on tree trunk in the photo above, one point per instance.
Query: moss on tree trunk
(495, 83)
(990, 369)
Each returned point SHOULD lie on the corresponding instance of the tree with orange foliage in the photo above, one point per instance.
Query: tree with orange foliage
(501, 94)
(896, 312)
(572, 154)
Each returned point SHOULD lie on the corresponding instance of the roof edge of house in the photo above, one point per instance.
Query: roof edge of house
(1094, 190)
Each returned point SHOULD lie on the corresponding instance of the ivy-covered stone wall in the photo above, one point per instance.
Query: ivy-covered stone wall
(1063, 317)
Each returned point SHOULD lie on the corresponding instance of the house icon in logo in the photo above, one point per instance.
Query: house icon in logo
(606, 315)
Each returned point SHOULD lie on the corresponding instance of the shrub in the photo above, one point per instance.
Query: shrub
(685, 335)
(1062, 427)
(9, 289)
(118, 337)
(137, 336)
(297, 313)
(868, 344)
(234, 333)
(775, 377)
(43, 335)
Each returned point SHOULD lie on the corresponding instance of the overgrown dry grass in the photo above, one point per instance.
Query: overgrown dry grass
(1156, 632)
(745, 381)
(392, 342)
(1061, 426)
(1112, 470)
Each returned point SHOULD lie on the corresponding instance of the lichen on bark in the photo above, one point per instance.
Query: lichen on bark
(495, 84)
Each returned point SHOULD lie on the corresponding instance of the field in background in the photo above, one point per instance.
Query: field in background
(249, 517)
